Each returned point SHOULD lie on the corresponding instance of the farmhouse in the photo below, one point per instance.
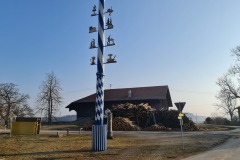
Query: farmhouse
(156, 96)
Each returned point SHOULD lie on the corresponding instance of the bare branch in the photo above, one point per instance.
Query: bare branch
(49, 98)
(11, 101)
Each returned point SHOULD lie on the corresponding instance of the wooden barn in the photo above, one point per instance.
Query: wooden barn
(156, 96)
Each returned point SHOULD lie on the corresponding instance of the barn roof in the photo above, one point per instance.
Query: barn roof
(121, 94)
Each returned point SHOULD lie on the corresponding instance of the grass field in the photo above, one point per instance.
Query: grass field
(212, 127)
(125, 145)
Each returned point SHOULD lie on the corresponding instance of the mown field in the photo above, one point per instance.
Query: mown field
(125, 145)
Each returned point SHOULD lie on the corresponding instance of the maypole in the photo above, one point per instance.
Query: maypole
(99, 130)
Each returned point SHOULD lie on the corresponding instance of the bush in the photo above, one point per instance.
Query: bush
(221, 121)
(235, 121)
(217, 121)
(208, 120)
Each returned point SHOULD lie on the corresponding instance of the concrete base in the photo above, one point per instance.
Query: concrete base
(99, 137)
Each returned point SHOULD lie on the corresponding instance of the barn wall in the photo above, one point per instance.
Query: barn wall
(86, 110)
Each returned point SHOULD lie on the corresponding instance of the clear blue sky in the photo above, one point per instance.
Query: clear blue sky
(184, 44)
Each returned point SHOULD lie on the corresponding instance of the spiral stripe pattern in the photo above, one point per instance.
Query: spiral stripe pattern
(100, 69)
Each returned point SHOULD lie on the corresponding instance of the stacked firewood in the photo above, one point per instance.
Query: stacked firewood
(190, 126)
(124, 124)
(170, 119)
(124, 110)
(140, 113)
(146, 117)
(155, 127)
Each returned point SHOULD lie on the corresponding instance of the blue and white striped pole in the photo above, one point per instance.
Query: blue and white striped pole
(99, 131)
(100, 67)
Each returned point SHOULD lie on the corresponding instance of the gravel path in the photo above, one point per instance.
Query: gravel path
(227, 151)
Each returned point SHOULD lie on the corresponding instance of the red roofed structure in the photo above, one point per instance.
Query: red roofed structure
(156, 96)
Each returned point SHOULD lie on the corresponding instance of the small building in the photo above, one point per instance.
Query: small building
(156, 96)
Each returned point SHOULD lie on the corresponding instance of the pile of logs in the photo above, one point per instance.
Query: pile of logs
(155, 127)
(141, 113)
(130, 117)
(123, 124)
(168, 118)
(190, 126)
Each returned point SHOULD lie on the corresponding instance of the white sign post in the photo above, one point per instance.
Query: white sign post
(181, 124)
(180, 106)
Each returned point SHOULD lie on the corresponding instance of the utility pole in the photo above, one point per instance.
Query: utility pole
(99, 130)
(196, 118)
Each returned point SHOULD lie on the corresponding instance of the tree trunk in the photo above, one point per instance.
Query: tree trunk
(231, 117)
(49, 113)
(7, 115)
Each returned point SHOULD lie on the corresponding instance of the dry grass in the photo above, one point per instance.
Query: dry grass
(125, 145)
(75, 127)
(71, 127)
(211, 127)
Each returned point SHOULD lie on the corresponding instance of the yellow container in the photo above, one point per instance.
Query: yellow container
(29, 128)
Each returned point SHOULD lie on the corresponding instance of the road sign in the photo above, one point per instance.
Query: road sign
(181, 115)
(180, 106)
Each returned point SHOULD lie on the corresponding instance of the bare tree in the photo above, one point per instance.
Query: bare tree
(11, 101)
(227, 103)
(49, 98)
(230, 82)
(229, 85)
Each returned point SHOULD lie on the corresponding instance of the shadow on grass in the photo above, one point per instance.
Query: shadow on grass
(45, 153)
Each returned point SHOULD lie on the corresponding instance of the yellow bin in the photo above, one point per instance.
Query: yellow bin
(29, 128)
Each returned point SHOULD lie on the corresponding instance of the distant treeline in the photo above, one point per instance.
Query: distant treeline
(222, 121)
(67, 118)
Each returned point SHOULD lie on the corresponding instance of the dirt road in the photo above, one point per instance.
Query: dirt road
(227, 151)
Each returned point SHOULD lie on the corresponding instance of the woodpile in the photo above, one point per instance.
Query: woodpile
(131, 117)
(155, 127)
(141, 113)
(190, 126)
(124, 124)
(170, 119)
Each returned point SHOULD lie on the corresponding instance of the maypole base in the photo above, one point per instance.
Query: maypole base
(99, 137)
